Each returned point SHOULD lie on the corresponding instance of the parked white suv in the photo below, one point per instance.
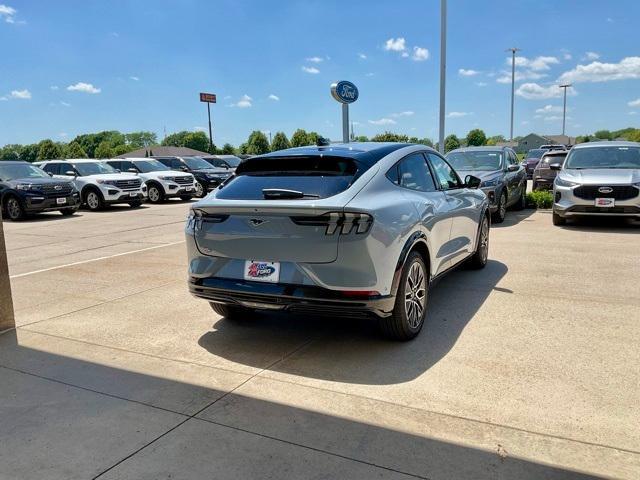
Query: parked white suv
(161, 181)
(99, 183)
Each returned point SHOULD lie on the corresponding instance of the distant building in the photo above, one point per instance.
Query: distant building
(533, 140)
(160, 151)
(513, 144)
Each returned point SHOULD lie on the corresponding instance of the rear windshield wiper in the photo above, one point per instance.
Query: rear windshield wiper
(284, 194)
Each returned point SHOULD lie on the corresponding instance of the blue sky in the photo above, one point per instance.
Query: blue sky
(70, 67)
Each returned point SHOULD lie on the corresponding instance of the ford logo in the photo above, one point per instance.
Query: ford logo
(58, 187)
(605, 189)
(344, 92)
(256, 222)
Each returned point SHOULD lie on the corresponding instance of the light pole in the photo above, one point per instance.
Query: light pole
(564, 108)
(513, 51)
(443, 69)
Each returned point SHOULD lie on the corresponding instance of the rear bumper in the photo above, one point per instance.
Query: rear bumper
(299, 299)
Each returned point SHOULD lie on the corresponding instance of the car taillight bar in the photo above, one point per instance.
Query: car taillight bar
(345, 223)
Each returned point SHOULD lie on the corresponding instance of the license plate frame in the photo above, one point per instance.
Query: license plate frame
(261, 271)
(604, 202)
(61, 201)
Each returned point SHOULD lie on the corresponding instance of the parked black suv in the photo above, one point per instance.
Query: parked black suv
(207, 176)
(26, 189)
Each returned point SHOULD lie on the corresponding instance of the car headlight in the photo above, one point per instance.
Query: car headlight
(165, 177)
(107, 182)
(490, 183)
(25, 186)
(559, 182)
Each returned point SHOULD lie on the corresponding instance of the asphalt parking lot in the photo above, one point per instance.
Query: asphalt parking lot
(526, 369)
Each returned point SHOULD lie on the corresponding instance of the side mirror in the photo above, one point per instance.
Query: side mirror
(472, 182)
(184, 169)
(132, 170)
(50, 174)
(513, 168)
(70, 173)
(117, 170)
(555, 166)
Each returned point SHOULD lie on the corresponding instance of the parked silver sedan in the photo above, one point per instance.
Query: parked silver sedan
(350, 230)
(599, 178)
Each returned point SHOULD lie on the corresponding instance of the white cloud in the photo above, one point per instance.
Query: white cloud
(315, 59)
(404, 54)
(538, 63)
(65, 104)
(458, 114)
(362, 56)
(609, 20)
(114, 34)
(20, 94)
(406, 113)
(3, 98)
(62, 134)
(273, 97)
(8, 13)
(520, 76)
(481, 84)
(420, 54)
(370, 74)
(383, 121)
(549, 109)
(627, 68)
(312, 70)
(534, 91)
(227, 97)
(83, 87)
(395, 45)
(467, 72)
(199, 129)
(634, 103)
(244, 102)
(524, 122)
(134, 78)
(53, 87)
(567, 56)
(591, 56)
(632, 113)
(555, 118)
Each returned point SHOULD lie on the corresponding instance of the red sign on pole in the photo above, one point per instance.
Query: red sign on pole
(208, 97)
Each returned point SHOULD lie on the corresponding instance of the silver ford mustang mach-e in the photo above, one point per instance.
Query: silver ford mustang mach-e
(349, 230)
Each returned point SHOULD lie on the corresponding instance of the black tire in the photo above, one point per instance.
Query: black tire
(521, 204)
(201, 192)
(155, 193)
(410, 308)
(230, 312)
(135, 204)
(93, 200)
(558, 220)
(186, 198)
(479, 258)
(500, 214)
(67, 212)
(14, 208)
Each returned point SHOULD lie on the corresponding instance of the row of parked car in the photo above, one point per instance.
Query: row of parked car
(66, 185)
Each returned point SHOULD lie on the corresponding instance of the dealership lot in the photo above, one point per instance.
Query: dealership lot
(526, 369)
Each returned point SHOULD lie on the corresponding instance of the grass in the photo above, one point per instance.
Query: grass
(540, 199)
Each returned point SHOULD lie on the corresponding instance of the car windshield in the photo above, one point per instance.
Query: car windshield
(196, 163)
(604, 157)
(557, 158)
(17, 170)
(146, 166)
(233, 161)
(536, 153)
(93, 168)
(484, 161)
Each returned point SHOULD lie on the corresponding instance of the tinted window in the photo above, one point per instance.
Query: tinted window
(551, 159)
(20, 170)
(414, 173)
(126, 165)
(393, 174)
(52, 168)
(476, 160)
(175, 163)
(151, 165)
(92, 168)
(513, 160)
(604, 157)
(535, 153)
(447, 177)
(196, 163)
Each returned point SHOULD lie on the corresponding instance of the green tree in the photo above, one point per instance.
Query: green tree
(29, 153)
(74, 150)
(312, 138)
(476, 138)
(10, 152)
(121, 150)
(299, 138)
(603, 135)
(280, 142)
(390, 137)
(362, 138)
(140, 139)
(451, 143)
(227, 149)
(257, 143)
(104, 150)
(47, 150)
(634, 136)
(494, 140)
(175, 139)
(197, 141)
(90, 141)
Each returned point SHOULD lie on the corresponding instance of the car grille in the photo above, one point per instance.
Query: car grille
(619, 192)
(58, 189)
(183, 180)
(132, 184)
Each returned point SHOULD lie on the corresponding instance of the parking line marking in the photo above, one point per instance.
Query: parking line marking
(95, 259)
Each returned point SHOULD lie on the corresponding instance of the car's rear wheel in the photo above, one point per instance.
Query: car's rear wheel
(410, 308)
(231, 312)
(501, 213)
(14, 208)
(479, 258)
(200, 191)
(558, 220)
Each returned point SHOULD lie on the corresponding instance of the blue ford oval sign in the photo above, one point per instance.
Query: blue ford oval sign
(344, 92)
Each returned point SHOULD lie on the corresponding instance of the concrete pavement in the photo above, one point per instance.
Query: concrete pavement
(527, 369)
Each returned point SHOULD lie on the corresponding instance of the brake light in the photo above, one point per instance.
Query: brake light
(344, 223)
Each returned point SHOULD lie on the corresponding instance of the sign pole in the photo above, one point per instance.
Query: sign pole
(210, 136)
(345, 122)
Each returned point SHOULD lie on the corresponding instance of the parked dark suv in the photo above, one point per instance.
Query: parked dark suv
(207, 176)
(26, 189)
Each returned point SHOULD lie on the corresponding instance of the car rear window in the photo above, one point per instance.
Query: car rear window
(558, 158)
(314, 176)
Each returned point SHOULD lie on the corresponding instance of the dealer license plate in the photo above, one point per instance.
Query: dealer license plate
(605, 202)
(260, 271)
(61, 201)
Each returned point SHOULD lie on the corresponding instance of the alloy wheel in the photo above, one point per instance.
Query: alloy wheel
(13, 208)
(154, 194)
(503, 206)
(199, 189)
(484, 240)
(415, 295)
(93, 201)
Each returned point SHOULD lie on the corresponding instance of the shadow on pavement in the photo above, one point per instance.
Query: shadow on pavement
(354, 351)
(64, 417)
(603, 224)
(514, 217)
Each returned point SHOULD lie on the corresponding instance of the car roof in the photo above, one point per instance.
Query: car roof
(606, 144)
(365, 152)
(13, 162)
(486, 148)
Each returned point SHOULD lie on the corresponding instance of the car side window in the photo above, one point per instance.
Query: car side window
(175, 163)
(413, 173)
(126, 165)
(446, 176)
(512, 158)
(116, 165)
(52, 168)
